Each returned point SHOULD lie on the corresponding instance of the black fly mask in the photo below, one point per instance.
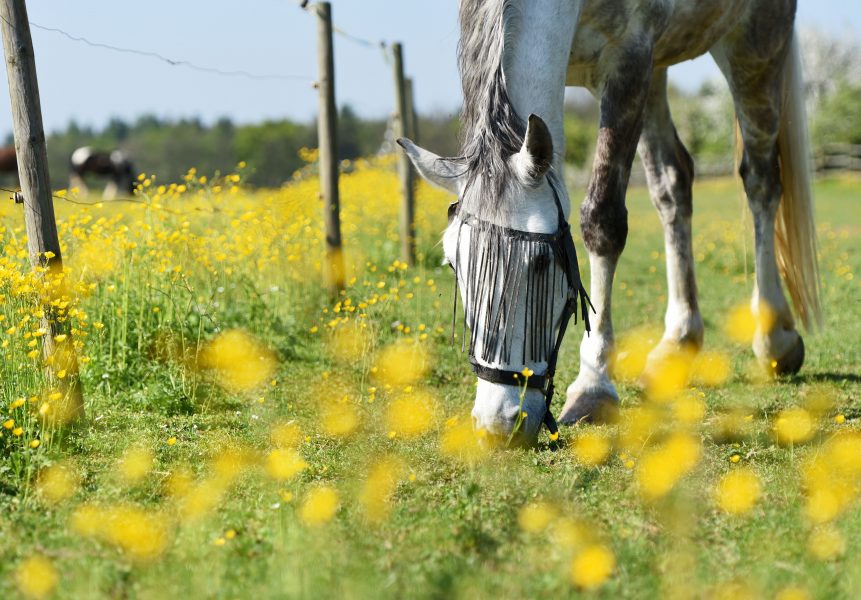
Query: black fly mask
(505, 266)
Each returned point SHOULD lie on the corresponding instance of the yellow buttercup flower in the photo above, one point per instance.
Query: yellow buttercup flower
(36, 577)
(376, 492)
(402, 363)
(284, 464)
(826, 543)
(794, 426)
(592, 566)
(135, 464)
(319, 507)
(738, 491)
(535, 517)
(411, 415)
(591, 448)
(661, 468)
(239, 362)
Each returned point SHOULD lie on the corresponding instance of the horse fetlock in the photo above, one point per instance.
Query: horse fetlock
(684, 329)
(590, 401)
(682, 339)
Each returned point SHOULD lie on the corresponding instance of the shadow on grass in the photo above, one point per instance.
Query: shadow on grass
(827, 377)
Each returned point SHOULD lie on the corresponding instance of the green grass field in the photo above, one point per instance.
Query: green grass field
(171, 486)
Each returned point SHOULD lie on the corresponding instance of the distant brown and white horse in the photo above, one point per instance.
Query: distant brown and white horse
(515, 59)
(115, 166)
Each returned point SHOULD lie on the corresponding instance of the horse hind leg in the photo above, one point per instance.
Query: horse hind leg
(670, 174)
(756, 82)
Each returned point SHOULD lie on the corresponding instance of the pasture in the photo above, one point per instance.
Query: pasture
(248, 436)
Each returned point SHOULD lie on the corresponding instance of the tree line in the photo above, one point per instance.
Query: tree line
(169, 148)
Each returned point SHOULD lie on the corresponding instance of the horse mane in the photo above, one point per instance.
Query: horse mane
(492, 129)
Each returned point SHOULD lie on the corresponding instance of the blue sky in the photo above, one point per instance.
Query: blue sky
(270, 37)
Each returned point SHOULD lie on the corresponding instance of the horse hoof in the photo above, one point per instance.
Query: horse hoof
(790, 363)
(591, 406)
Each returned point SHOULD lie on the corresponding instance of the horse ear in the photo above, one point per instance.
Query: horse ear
(442, 172)
(536, 154)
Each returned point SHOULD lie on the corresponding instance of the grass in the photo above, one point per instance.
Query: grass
(164, 279)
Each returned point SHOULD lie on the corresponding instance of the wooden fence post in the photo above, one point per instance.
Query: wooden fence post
(412, 118)
(42, 240)
(405, 173)
(327, 133)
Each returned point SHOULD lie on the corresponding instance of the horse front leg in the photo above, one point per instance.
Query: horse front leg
(604, 224)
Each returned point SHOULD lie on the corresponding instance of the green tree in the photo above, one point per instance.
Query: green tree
(838, 116)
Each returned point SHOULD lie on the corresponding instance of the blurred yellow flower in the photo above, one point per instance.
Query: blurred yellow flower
(568, 533)
(794, 426)
(402, 363)
(591, 448)
(632, 351)
(411, 415)
(198, 501)
(36, 577)
(832, 477)
(285, 435)
(535, 517)
(660, 468)
(140, 535)
(135, 464)
(350, 341)
(284, 464)
(320, 505)
(637, 426)
(339, 418)
(376, 492)
(57, 483)
(710, 369)
(239, 362)
(738, 491)
(793, 592)
(460, 441)
(667, 376)
(689, 409)
(743, 322)
(826, 543)
(592, 566)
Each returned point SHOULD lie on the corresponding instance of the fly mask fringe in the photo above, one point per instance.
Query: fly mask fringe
(501, 268)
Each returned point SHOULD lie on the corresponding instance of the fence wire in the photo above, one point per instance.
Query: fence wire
(175, 62)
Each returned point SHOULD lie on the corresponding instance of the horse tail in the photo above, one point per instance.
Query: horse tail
(794, 227)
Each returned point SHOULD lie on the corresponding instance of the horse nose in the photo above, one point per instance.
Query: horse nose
(508, 413)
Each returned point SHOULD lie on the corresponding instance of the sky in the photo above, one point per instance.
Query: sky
(267, 37)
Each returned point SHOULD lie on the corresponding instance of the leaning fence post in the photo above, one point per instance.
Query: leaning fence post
(327, 132)
(412, 118)
(405, 173)
(42, 240)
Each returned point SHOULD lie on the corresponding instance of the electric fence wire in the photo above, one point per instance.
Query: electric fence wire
(102, 202)
(176, 62)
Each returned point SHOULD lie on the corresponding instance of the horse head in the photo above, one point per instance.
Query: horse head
(516, 270)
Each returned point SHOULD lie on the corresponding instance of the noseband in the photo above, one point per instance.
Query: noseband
(502, 262)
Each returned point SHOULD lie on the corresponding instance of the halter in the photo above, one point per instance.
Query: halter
(496, 274)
